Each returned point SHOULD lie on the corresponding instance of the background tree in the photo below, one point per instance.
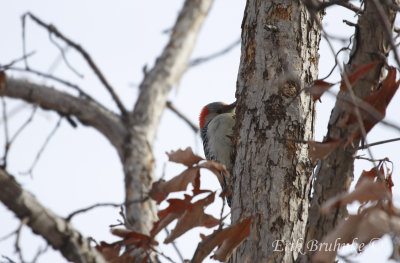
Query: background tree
(272, 175)
(275, 116)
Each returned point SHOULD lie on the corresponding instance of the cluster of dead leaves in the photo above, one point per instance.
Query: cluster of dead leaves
(372, 109)
(376, 214)
(135, 246)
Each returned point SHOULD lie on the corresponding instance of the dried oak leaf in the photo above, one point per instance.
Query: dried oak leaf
(319, 88)
(344, 233)
(2, 80)
(217, 169)
(133, 238)
(185, 157)
(193, 216)
(161, 189)
(379, 100)
(320, 150)
(368, 175)
(375, 224)
(175, 209)
(367, 190)
(227, 240)
(110, 252)
(360, 72)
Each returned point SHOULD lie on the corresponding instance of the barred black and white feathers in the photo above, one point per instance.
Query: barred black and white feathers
(216, 124)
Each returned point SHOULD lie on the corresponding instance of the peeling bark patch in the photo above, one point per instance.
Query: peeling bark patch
(249, 58)
(281, 13)
(274, 109)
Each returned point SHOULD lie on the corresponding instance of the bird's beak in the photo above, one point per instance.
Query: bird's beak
(230, 107)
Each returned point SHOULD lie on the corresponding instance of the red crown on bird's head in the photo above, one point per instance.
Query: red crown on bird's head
(202, 118)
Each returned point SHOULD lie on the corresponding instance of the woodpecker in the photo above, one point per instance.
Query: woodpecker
(216, 125)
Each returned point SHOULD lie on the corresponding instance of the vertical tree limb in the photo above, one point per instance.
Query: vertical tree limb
(143, 122)
(336, 173)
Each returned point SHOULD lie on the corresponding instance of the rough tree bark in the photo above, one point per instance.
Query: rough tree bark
(271, 177)
(336, 174)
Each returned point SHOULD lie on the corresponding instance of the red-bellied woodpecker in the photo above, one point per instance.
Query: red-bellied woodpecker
(216, 125)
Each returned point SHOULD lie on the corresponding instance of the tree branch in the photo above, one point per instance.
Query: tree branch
(57, 232)
(86, 111)
(336, 173)
(168, 69)
(171, 106)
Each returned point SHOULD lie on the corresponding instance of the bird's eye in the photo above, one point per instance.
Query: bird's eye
(219, 111)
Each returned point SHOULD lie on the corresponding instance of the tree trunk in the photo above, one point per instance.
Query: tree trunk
(336, 174)
(272, 173)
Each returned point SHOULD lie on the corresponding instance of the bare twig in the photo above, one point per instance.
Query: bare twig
(64, 56)
(51, 134)
(369, 159)
(9, 259)
(343, 3)
(9, 142)
(8, 235)
(11, 63)
(24, 221)
(57, 79)
(347, 22)
(53, 30)
(175, 247)
(171, 106)
(83, 210)
(336, 59)
(388, 30)
(377, 143)
(24, 41)
(200, 60)
(39, 252)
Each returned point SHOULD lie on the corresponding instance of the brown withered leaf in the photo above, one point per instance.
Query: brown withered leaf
(185, 157)
(368, 175)
(175, 209)
(367, 190)
(227, 240)
(379, 100)
(237, 234)
(2, 80)
(375, 224)
(217, 169)
(110, 252)
(360, 72)
(133, 238)
(193, 216)
(321, 150)
(343, 233)
(319, 88)
(161, 189)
